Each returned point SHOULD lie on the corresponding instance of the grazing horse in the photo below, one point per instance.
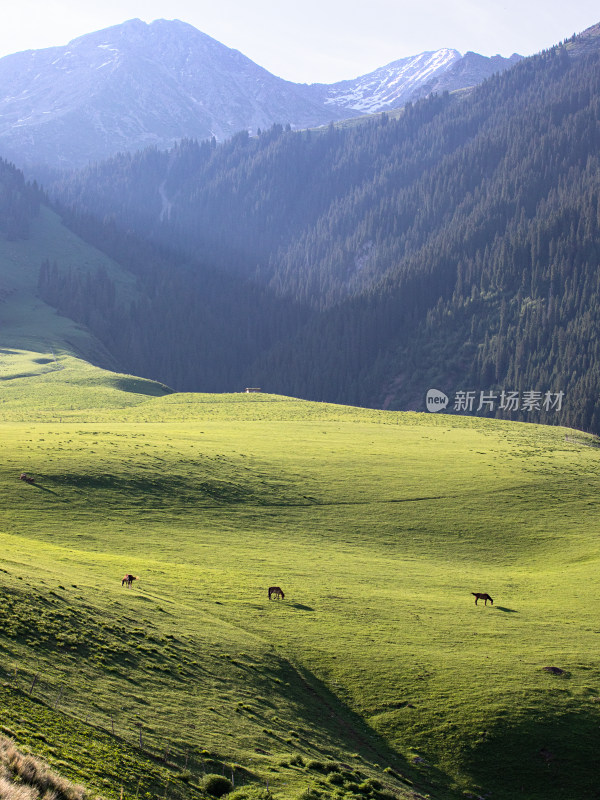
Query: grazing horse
(275, 590)
(27, 478)
(128, 579)
(482, 596)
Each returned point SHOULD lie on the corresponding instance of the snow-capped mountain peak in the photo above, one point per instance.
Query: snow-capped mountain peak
(138, 84)
(392, 85)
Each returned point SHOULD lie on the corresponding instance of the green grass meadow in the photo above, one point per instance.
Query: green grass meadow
(376, 676)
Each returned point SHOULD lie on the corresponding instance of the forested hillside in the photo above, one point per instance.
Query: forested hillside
(454, 246)
(19, 202)
(196, 327)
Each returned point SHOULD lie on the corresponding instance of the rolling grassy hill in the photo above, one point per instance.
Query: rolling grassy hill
(376, 676)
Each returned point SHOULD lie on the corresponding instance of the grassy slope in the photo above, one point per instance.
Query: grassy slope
(377, 525)
(27, 323)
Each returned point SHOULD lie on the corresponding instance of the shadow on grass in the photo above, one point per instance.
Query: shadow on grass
(335, 725)
(507, 610)
(135, 385)
(44, 489)
(158, 489)
(546, 753)
(300, 607)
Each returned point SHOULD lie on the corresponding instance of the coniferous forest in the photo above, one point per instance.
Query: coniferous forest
(19, 202)
(453, 245)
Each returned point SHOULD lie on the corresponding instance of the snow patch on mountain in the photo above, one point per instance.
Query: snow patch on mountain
(392, 85)
(137, 84)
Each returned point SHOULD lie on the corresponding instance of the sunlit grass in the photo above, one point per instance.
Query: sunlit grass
(377, 675)
(378, 527)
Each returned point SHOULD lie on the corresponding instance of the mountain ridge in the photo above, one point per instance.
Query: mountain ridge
(140, 84)
(392, 84)
(420, 249)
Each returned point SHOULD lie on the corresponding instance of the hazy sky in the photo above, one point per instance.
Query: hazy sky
(316, 40)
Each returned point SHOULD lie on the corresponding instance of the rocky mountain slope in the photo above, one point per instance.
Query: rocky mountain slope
(465, 72)
(137, 84)
(393, 85)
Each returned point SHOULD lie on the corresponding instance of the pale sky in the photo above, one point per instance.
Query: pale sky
(316, 40)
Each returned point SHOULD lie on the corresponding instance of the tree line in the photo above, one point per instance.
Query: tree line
(455, 244)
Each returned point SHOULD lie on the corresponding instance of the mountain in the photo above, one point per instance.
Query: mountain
(393, 85)
(137, 84)
(452, 246)
(107, 287)
(466, 72)
(31, 234)
(413, 78)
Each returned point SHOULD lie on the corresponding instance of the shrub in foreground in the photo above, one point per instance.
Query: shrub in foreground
(216, 785)
(251, 793)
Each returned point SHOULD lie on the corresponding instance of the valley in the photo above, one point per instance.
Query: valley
(376, 668)
(451, 244)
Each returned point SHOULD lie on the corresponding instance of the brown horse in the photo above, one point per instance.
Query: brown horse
(128, 579)
(275, 590)
(482, 596)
